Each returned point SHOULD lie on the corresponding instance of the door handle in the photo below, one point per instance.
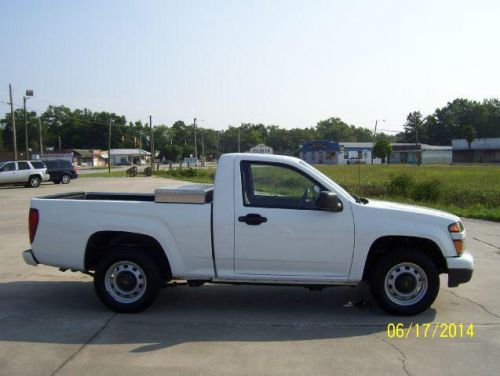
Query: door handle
(252, 219)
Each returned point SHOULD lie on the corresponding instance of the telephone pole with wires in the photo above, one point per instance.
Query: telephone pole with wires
(14, 138)
(29, 93)
(152, 144)
(40, 134)
(109, 147)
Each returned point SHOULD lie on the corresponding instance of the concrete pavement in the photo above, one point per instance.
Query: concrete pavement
(51, 323)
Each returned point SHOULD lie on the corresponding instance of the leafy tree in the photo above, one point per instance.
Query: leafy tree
(382, 149)
(470, 135)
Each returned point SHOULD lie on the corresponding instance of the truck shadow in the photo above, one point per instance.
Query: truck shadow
(69, 313)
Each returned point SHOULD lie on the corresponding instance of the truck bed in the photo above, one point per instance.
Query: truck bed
(69, 220)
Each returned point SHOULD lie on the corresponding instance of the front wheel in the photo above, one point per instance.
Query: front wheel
(405, 282)
(127, 281)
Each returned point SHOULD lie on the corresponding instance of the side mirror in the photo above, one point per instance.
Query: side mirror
(329, 201)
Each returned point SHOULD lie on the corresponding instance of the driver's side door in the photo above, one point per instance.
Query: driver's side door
(292, 237)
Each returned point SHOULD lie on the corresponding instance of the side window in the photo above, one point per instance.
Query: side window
(37, 164)
(9, 167)
(23, 166)
(51, 164)
(277, 186)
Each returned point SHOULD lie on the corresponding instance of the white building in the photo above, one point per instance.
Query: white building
(135, 156)
(262, 149)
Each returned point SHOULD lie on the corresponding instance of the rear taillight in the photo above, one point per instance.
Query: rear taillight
(33, 218)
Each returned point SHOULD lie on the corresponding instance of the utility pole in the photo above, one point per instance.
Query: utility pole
(218, 145)
(202, 145)
(416, 144)
(239, 138)
(374, 136)
(152, 144)
(14, 139)
(109, 147)
(26, 128)
(195, 144)
(59, 138)
(29, 93)
(40, 134)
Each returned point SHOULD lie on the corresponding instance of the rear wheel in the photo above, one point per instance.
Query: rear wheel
(65, 179)
(405, 282)
(127, 281)
(34, 181)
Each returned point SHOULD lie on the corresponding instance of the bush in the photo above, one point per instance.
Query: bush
(400, 185)
(199, 175)
(429, 190)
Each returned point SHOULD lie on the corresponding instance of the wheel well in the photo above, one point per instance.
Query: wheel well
(391, 243)
(34, 175)
(103, 241)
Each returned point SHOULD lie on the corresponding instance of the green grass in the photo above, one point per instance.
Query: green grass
(467, 191)
(113, 174)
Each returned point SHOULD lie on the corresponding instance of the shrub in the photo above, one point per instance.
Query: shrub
(400, 185)
(429, 190)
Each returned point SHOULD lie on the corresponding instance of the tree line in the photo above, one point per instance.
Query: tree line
(64, 128)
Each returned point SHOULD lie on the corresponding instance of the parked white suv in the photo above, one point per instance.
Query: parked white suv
(28, 173)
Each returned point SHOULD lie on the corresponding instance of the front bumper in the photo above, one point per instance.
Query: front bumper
(29, 258)
(460, 269)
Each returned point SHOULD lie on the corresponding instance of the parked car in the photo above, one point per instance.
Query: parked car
(28, 173)
(269, 219)
(356, 160)
(61, 171)
(124, 163)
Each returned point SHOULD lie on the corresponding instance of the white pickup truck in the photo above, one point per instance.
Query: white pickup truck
(268, 220)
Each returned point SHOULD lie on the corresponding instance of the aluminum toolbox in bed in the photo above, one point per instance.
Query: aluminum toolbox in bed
(186, 194)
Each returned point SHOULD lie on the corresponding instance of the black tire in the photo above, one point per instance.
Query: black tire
(107, 292)
(65, 179)
(34, 181)
(387, 298)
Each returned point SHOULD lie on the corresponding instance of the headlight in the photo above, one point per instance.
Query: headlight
(456, 227)
(456, 230)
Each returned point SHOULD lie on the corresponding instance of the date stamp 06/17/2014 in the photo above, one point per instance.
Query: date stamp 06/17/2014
(430, 330)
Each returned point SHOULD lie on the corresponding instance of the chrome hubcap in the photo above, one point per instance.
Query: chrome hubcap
(125, 281)
(406, 283)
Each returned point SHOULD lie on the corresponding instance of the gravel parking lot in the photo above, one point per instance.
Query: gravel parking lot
(51, 323)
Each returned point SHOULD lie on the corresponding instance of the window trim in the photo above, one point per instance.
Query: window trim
(247, 162)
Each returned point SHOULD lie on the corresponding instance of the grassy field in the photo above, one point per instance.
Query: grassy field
(467, 191)
(112, 174)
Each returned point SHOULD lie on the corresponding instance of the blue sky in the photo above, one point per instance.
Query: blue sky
(290, 63)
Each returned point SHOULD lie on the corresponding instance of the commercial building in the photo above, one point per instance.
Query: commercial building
(406, 153)
(261, 149)
(330, 152)
(482, 150)
(135, 156)
(90, 157)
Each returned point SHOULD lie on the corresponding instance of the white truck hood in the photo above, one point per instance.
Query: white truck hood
(404, 209)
